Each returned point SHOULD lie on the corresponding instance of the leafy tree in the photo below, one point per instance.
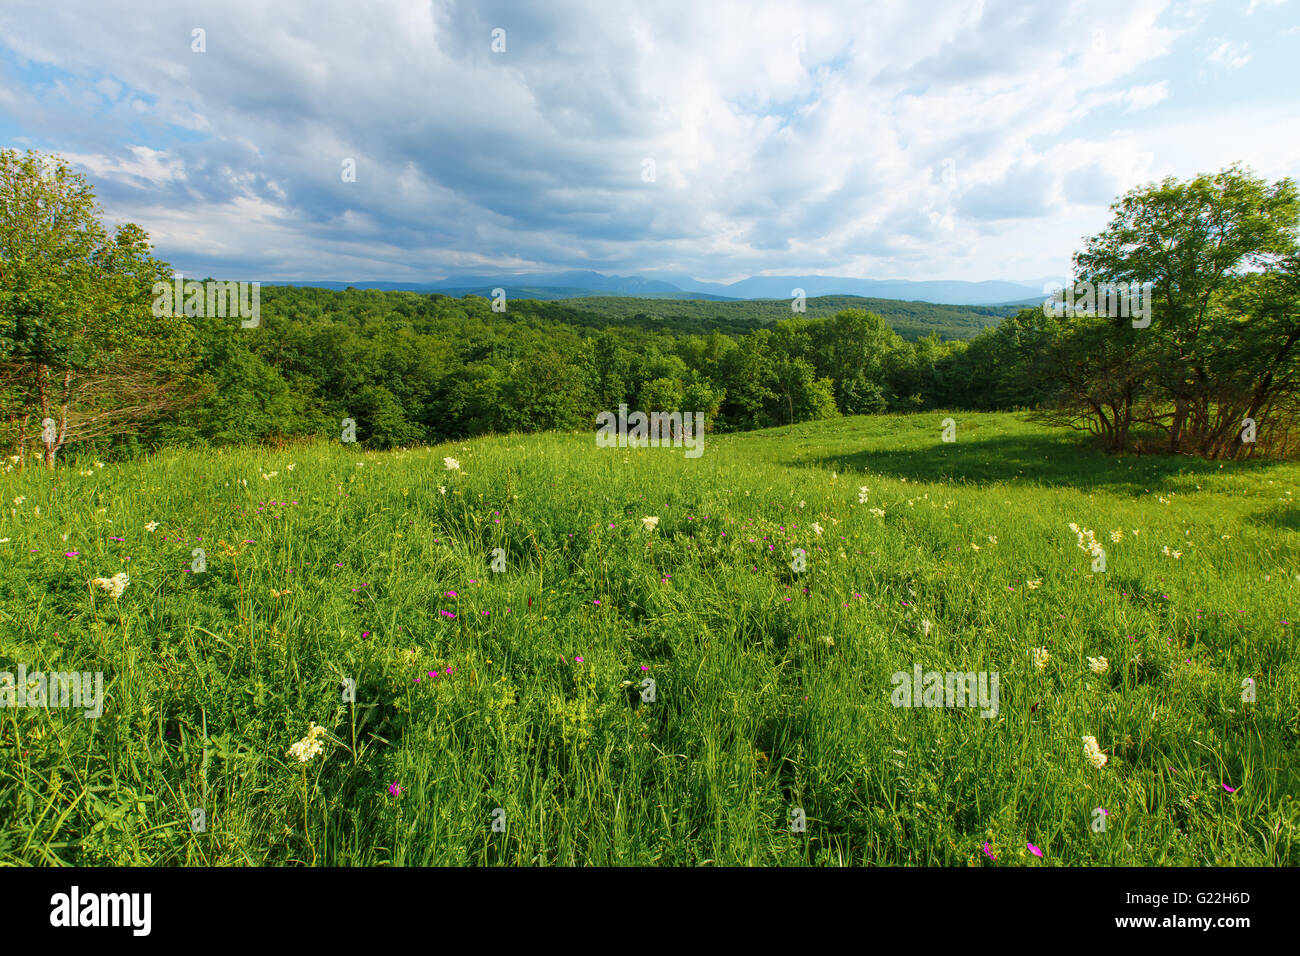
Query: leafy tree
(1191, 240)
(80, 347)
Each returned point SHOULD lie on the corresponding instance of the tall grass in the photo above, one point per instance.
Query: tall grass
(772, 688)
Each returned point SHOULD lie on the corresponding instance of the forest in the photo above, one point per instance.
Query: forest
(86, 365)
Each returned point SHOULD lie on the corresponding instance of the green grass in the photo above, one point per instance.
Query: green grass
(209, 678)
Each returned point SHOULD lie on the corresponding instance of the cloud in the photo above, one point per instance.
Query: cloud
(952, 140)
(1229, 55)
(1144, 97)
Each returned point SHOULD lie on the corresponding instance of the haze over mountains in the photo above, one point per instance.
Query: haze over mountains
(580, 283)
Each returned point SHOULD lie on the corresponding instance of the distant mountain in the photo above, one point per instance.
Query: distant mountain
(941, 292)
(574, 279)
(578, 283)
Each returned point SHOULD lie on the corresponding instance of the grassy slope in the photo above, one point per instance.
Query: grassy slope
(754, 714)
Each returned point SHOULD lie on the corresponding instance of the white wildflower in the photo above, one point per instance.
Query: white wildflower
(1093, 752)
(114, 585)
(310, 745)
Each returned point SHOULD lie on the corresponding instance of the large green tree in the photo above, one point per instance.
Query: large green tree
(81, 353)
(1193, 241)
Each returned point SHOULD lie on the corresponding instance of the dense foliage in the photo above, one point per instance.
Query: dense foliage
(1216, 373)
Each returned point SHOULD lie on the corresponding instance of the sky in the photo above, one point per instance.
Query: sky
(917, 140)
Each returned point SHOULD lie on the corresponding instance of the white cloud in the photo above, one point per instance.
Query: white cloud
(827, 158)
(1232, 56)
(1144, 97)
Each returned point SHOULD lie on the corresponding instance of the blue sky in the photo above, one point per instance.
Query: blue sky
(934, 140)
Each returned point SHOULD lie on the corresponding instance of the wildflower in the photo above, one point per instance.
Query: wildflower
(974, 546)
(1098, 665)
(925, 627)
(988, 851)
(1117, 535)
(114, 585)
(862, 495)
(266, 477)
(649, 523)
(279, 594)
(20, 499)
(99, 464)
(816, 527)
(1087, 539)
(878, 512)
(151, 527)
(828, 641)
(1093, 752)
(442, 490)
(394, 789)
(310, 745)
(289, 466)
(88, 471)
(1036, 851)
(1034, 584)
(1041, 657)
(451, 464)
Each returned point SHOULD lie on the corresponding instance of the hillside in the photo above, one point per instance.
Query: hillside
(911, 320)
(770, 733)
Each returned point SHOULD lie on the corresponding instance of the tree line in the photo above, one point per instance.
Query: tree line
(86, 361)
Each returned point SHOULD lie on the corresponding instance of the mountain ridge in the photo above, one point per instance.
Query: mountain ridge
(577, 283)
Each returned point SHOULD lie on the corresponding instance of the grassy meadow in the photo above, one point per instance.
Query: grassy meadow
(515, 697)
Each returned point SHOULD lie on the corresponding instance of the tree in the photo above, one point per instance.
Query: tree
(81, 353)
(1191, 241)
